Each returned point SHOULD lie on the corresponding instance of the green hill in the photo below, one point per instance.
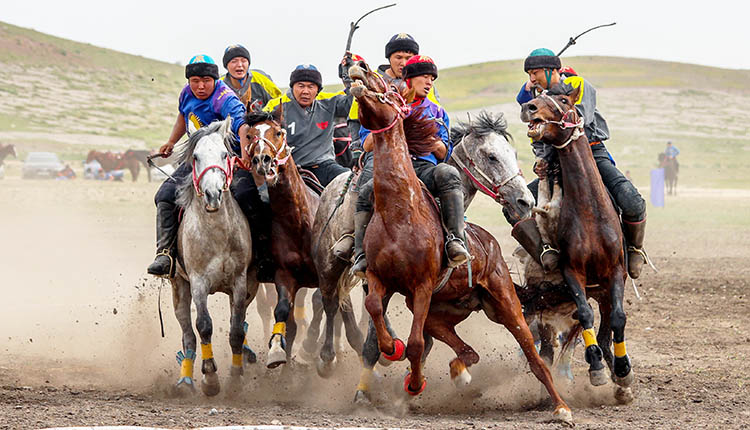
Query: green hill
(70, 97)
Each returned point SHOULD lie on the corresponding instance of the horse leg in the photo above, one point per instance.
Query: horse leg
(622, 369)
(502, 306)
(414, 383)
(300, 314)
(327, 357)
(210, 382)
(353, 334)
(181, 299)
(238, 305)
(592, 353)
(277, 344)
(370, 355)
(263, 304)
(444, 331)
(312, 338)
(393, 348)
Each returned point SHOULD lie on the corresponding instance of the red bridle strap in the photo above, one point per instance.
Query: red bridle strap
(228, 175)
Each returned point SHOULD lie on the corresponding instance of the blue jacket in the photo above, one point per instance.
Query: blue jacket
(432, 110)
(223, 102)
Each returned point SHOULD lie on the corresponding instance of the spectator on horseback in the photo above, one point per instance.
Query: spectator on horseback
(672, 152)
(442, 179)
(543, 68)
(254, 87)
(310, 117)
(203, 100)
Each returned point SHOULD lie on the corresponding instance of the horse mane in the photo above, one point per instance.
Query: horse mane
(420, 132)
(184, 153)
(485, 124)
(256, 117)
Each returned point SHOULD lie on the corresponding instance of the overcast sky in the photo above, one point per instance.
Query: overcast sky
(283, 33)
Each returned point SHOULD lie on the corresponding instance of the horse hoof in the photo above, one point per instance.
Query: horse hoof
(625, 381)
(384, 361)
(236, 371)
(399, 351)
(624, 395)
(463, 379)
(361, 398)
(325, 369)
(563, 415)
(210, 384)
(185, 387)
(276, 357)
(248, 355)
(598, 377)
(407, 381)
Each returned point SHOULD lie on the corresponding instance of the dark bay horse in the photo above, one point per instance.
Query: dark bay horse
(589, 234)
(404, 243)
(671, 168)
(115, 161)
(141, 155)
(6, 150)
(293, 205)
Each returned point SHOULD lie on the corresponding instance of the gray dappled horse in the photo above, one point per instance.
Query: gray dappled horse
(215, 252)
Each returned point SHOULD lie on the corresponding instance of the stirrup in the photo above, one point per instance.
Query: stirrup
(642, 253)
(170, 273)
(453, 238)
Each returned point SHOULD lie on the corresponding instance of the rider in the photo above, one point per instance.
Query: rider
(543, 68)
(310, 117)
(253, 87)
(440, 178)
(671, 151)
(203, 100)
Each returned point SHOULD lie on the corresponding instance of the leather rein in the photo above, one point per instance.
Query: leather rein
(402, 111)
(563, 123)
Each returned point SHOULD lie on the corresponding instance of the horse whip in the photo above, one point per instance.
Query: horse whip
(353, 26)
(572, 40)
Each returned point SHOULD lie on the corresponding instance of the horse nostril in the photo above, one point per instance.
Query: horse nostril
(523, 204)
(266, 159)
(532, 107)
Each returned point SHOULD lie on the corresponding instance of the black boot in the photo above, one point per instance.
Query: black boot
(166, 240)
(361, 219)
(452, 208)
(634, 235)
(527, 234)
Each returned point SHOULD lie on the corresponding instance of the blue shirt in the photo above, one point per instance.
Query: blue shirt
(431, 110)
(222, 103)
(672, 151)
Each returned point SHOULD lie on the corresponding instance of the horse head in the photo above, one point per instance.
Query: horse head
(92, 155)
(552, 117)
(268, 147)
(209, 152)
(380, 103)
(483, 154)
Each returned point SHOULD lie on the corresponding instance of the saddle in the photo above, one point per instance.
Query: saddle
(311, 181)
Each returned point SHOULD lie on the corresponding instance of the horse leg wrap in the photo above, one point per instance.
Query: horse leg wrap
(237, 360)
(622, 368)
(186, 367)
(365, 377)
(407, 381)
(459, 373)
(207, 351)
(399, 351)
(589, 337)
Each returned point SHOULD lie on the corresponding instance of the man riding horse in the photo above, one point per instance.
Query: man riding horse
(543, 68)
(202, 101)
(441, 179)
(254, 88)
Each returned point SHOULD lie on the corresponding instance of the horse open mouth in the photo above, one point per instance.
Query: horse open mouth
(536, 128)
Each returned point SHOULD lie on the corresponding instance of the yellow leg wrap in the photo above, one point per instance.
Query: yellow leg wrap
(620, 350)
(186, 369)
(237, 360)
(244, 342)
(299, 312)
(589, 338)
(364, 379)
(279, 328)
(207, 351)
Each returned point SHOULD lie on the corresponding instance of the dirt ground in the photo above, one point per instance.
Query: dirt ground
(82, 344)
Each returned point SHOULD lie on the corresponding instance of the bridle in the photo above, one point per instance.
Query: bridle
(492, 189)
(402, 111)
(228, 174)
(563, 123)
(262, 141)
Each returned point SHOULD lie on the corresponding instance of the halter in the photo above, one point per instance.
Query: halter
(402, 111)
(262, 141)
(563, 124)
(228, 175)
(493, 190)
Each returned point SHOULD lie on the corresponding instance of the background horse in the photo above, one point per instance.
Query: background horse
(215, 251)
(141, 155)
(6, 150)
(589, 234)
(111, 161)
(671, 169)
(404, 243)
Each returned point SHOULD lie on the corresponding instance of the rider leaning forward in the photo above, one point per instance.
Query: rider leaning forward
(440, 178)
(543, 68)
(203, 100)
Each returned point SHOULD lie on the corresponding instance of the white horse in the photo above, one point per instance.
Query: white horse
(215, 252)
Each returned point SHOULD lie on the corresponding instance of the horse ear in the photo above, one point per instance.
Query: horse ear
(226, 127)
(281, 113)
(191, 128)
(573, 96)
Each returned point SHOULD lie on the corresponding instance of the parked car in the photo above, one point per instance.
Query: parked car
(41, 165)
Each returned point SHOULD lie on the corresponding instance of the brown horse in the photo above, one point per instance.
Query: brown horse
(404, 243)
(293, 205)
(671, 168)
(589, 233)
(116, 161)
(6, 150)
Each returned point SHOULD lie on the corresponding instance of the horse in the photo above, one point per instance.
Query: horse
(6, 150)
(141, 155)
(404, 243)
(294, 205)
(115, 161)
(215, 253)
(671, 168)
(589, 235)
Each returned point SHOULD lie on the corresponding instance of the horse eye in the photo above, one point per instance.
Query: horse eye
(278, 134)
(564, 101)
(492, 158)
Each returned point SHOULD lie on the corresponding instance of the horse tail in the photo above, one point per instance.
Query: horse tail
(573, 334)
(345, 285)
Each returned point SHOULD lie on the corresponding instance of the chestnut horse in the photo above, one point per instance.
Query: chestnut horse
(116, 161)
(404, 243)
(294, 205)
(6, 150)
(589, 233)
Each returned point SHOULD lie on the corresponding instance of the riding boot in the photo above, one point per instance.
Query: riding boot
(361, 220)
(634, 235)
(167, 224)
(260, 230)
(342, 249)
(526, 232)
(452, 208)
